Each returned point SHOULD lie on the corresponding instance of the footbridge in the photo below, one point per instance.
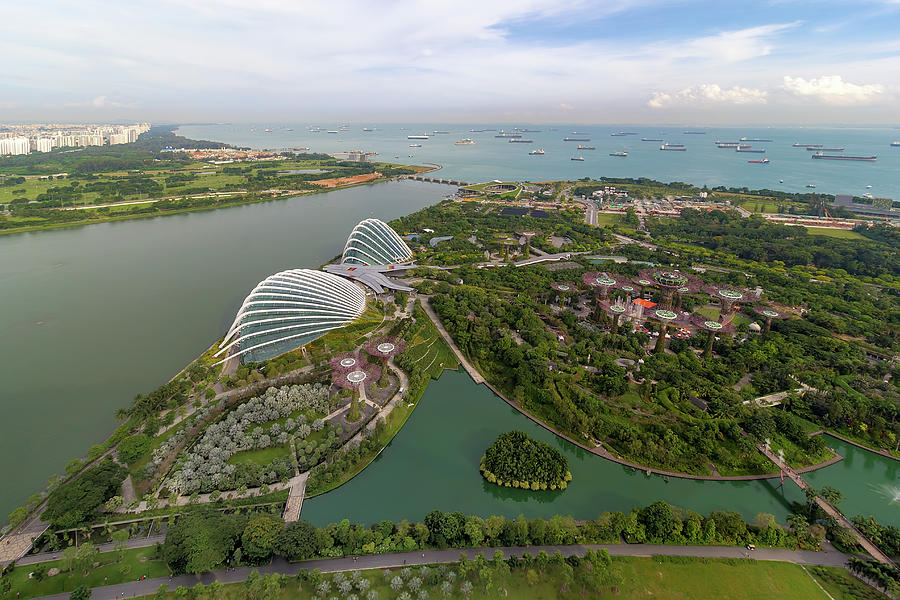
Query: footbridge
(831, 511)
(437, 180)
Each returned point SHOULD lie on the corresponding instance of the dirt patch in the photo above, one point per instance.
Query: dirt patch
(342, 181)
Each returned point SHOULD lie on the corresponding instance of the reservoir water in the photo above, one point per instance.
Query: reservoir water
(433, 464)
(703, 163)
(91, 316)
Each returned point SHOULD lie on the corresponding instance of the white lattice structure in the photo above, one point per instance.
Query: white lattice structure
(290, 309)
(373, 242)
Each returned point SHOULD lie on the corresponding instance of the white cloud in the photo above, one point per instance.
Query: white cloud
(707, 93)
(730, 46)
(832, 89)
(565, 106)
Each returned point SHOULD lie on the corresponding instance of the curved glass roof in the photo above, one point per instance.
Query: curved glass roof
(373, 242)
(290, 309)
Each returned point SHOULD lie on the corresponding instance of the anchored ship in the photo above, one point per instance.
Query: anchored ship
(576, 139)
(537, 152)
(651, 139)
(416, 137)
(823, 156)
(506, 134)
(520, 141)
(465, 142)
(618, 154)
(763, 161)
(798, 145)
(749, 149)
(583, 147)
(895, 144)
(825, 149)
(581, 158)
(746, 139)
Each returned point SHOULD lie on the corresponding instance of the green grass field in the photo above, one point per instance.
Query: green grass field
(136, 563)
(659, 579)
(846, 234)
(609, 218)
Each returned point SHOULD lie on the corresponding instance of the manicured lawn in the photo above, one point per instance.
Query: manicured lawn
(137, 563)
(261, 457)
(609, 218)
(843, 586)
(846, 234)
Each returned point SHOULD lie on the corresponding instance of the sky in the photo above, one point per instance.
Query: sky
(474, 61)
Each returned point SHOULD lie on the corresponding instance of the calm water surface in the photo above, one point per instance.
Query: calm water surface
(91, 316)
(433, 463)
(703, 163)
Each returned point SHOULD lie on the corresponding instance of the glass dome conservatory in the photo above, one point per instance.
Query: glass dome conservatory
(373, 242)
(290, 309)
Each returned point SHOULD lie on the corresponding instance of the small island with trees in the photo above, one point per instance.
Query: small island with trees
(516, 460)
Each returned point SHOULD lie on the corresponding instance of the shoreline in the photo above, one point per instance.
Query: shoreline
(177, 211)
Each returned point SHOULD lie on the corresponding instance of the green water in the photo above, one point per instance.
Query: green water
(433, 463)
(91, 316)
(870, 482)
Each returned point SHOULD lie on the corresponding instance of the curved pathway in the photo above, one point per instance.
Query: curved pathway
(472, 371)
(399, 560)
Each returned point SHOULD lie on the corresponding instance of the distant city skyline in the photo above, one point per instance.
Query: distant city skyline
(537, 61)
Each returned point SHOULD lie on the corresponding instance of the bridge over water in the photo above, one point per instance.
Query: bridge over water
(831, 511)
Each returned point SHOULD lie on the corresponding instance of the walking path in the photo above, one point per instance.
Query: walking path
(472, 371)
(884, 453)
(399, 560)
(295, 498)
(141, 542)
(863, 541)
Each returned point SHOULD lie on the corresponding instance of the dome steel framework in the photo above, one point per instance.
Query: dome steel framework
(373, 242)
(290, 309)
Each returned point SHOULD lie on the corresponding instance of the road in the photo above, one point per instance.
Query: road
(391, 561)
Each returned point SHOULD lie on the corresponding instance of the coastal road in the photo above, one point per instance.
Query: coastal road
(399, 560)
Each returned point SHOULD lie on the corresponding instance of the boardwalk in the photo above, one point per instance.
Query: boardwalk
(863, 541)
(472, 371)
(295, 498)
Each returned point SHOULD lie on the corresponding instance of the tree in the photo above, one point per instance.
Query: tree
(658, 520)
(68, 558)
(201, 540)
(74, 502)
(831, 495)
(85, 556)
(297, 541)
(120, 538)
(82, 592)
(132, 448)
(260, 535)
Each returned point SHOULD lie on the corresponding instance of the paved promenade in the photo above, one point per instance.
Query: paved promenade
(391, 561)
(472, 371)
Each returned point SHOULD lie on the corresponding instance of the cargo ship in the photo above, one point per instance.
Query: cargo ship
(506, 134)
(537, 152)
(465, 142)
(651, 139)
(621, 133)
(576, 139)
(579, 158)
(415, 145)
(746, 139)
(895, 144)
(823, 156)
(618, 154)
(798, 145)
(750, 149)
(673, 147)
(727, 145)
(694, 133)
(825, 149)
(520, 141)
(763, 161)
(583, 147)
(417, 137)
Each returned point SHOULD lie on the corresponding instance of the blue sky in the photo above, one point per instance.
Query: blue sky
(629, 61)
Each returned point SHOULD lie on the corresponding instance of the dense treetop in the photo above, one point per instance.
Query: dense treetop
(516, 457)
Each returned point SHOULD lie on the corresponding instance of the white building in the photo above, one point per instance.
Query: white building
(15, 145)
(118, 138)
(43, 144)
